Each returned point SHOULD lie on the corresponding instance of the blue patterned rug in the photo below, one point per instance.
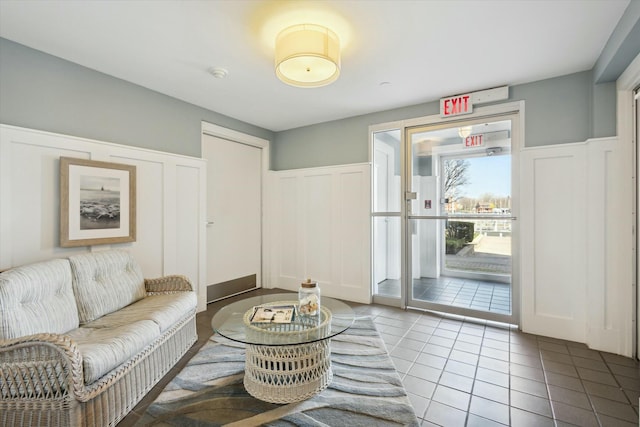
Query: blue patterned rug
(366, 389)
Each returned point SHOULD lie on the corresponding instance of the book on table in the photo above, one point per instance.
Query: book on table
(273, 314)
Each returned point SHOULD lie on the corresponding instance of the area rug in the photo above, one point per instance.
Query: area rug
(366, 389)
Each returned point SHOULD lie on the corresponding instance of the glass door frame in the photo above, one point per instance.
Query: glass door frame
(515, 110)
(435, 123)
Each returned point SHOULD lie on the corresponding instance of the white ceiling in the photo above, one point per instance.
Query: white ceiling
(424, 50)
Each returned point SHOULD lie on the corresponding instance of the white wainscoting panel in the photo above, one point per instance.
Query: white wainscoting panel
(610, 246)
(553, 215)
(576, 243)
(171, 203)
(319, 228)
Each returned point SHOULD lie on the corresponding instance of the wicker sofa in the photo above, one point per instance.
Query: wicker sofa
(83, 339)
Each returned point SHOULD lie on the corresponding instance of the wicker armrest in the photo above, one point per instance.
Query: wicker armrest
(42, 366)
(173, 283)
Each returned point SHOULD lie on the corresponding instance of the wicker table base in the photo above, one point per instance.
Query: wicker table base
(292, 372)
(287, 374)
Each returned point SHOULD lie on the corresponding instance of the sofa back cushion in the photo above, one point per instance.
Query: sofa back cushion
(37, 298)
(104, 282)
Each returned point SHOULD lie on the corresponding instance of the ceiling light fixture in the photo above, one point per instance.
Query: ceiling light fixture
(464, 131)
(307, 55)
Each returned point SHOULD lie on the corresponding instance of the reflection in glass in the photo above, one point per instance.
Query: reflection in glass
(386, 262)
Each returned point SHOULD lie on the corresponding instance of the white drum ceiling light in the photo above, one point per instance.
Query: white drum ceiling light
(307, 55)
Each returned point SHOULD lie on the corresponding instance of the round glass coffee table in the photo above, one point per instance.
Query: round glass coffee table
(284, 362)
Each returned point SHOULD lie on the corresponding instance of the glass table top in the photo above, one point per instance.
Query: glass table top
(232, 321)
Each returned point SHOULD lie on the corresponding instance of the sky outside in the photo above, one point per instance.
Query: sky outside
(491, 174)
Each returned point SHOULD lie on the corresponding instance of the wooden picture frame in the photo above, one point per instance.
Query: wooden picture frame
(97, 202)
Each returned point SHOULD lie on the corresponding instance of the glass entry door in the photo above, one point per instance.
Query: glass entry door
(460, 228)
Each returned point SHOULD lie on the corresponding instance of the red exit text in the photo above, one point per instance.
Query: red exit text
(473, 141)
(456, 105)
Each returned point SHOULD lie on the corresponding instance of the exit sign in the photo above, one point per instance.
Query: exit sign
(463, 104)
(473, 141)
(456, 105)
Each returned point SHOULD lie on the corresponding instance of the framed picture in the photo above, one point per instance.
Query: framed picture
(97, 202)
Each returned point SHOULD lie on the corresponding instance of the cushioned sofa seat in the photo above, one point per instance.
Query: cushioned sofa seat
(110, 340)
(164, 310)
(104, 349)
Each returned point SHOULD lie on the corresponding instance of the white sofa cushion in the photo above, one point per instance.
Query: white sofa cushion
(106, 347)
(104, 282)
(164, 310)
(37, 298)
(110, 340)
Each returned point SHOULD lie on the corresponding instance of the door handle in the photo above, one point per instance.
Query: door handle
(209, 223)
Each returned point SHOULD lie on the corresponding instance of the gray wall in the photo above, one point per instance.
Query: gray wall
(558, 110)
(41, 91)
(44, 92)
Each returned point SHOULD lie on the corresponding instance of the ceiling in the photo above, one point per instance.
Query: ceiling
(395, 53)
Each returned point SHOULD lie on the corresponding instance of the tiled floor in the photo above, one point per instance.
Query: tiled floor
(460, 373)
(475, 294)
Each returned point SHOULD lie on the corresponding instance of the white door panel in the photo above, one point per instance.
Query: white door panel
(233, 210)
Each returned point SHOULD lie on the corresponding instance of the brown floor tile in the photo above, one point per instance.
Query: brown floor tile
(571, 414)
(489, 409)
(531, 403)
(614, 409)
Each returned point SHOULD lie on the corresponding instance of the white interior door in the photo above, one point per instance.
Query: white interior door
(234, 215)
